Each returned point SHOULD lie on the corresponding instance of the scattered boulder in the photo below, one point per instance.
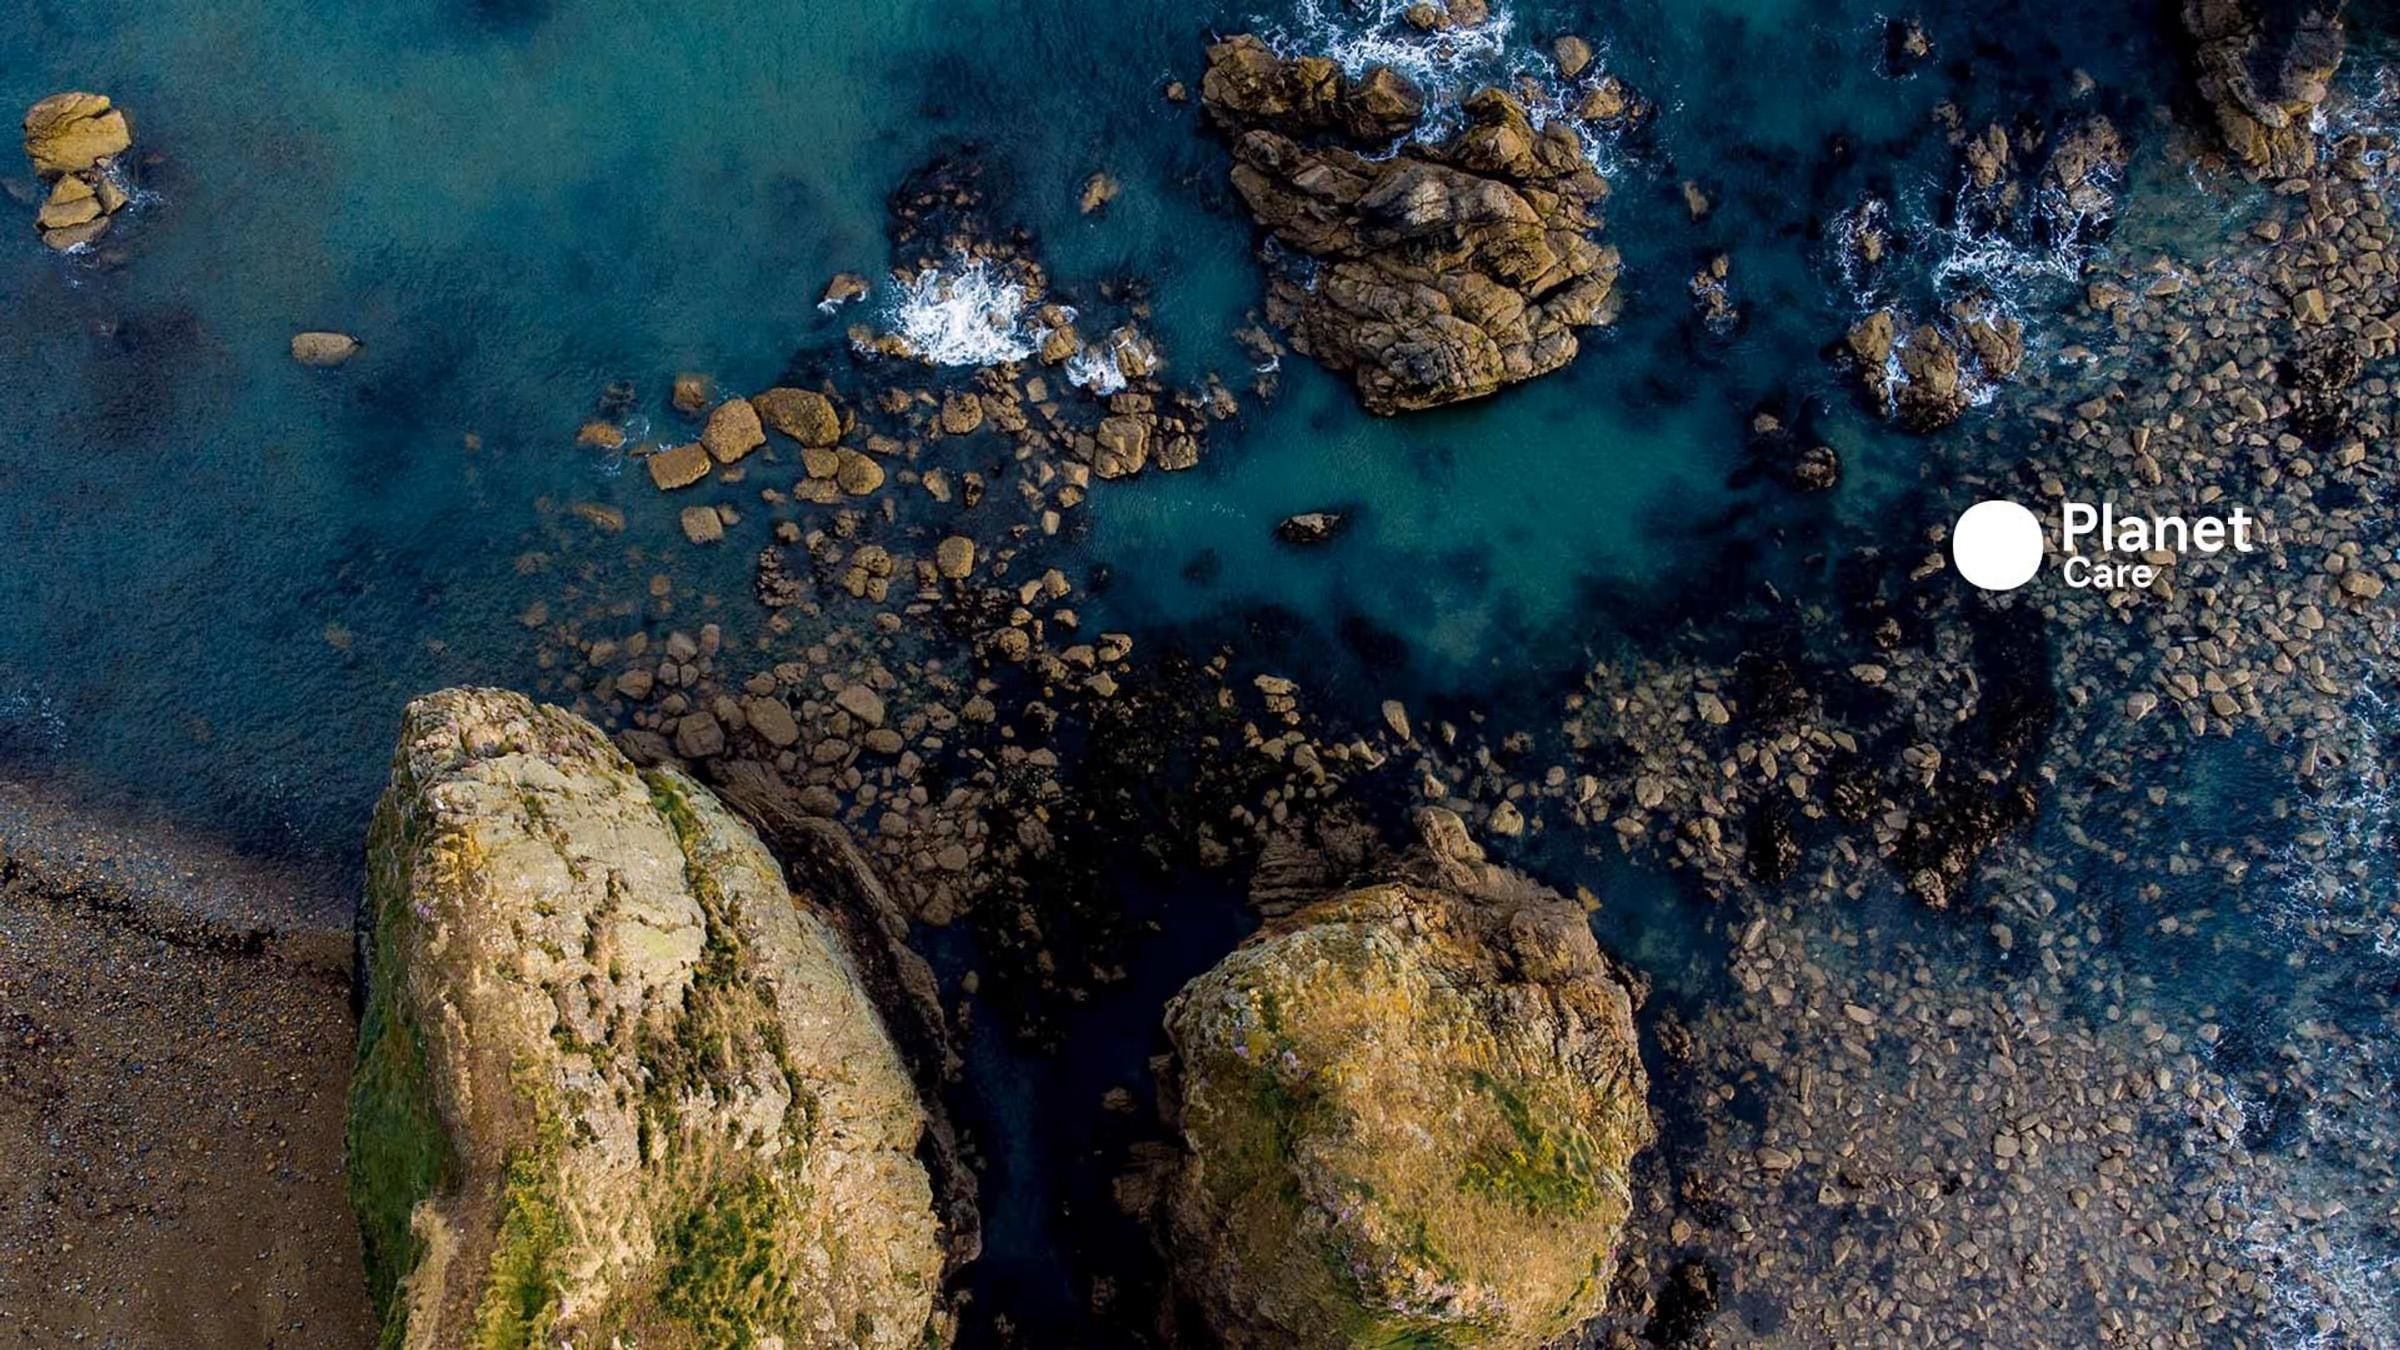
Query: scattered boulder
(615, 1081)
(954, 557)
(1312, 527)
(1443, 273)
(1906, 47)
(1098, 191)
(802, 414)
(679, 466)
(962, 413)
(1122, 446)
(74, 133)
(1573, 55)
(844, 288)
(1405, 1115)
(323, 349)
(732, 431)
(702, 524)
(857, 474)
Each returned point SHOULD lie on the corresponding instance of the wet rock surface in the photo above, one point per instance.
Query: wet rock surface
(615, 1078)
(1443, 272)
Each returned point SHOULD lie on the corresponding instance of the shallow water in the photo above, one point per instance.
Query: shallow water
(231, 570)
(222, 573)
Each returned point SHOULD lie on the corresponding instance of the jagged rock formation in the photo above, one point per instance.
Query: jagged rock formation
(73, 140)
(1405, 1116)
(2263, 66)
(1924, 377)
(616, 1084)
(1444, 272)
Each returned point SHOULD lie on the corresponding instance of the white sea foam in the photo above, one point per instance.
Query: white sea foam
(33, 716)
(1446, 64)
(2331, 1273)
(2365, 103)
(964, 313)
(2048, 240)
(2343, 877)
(1362, 36)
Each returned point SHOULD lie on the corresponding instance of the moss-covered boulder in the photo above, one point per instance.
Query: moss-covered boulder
(616, 1084)
(1406, 1114)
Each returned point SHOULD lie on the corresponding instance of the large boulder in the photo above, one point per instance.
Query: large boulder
(2263, 67)
(616, 1083)
(74, 132)
(1445, 272)
(1406, 1114)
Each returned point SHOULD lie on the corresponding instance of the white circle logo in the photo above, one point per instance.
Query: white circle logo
(1997, 545)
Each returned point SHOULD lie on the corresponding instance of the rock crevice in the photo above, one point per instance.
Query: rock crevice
(1429, 275)
(615, 1080)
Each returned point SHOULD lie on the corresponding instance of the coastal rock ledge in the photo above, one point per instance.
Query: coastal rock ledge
(1406, 1116)
(616, 1083)
(1440, 273)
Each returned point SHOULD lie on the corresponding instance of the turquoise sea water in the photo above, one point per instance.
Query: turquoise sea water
(514, 203)
(221, 574)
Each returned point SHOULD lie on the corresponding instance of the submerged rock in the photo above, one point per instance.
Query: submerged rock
(323, 349)
(1312, 527)
(2263, 67)
(616, 1083)
(1446, 272)
(1406, 1114)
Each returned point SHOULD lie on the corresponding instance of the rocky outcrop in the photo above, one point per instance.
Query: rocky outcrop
(616, 1083)
(1443, 273)
(1405, 1116)
(2263, 67)
(1927, 375)
(73, 141)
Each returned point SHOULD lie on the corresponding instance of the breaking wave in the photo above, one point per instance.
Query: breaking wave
(1442, 61)
(1449, 64)
(1100, 367)
(964, 313)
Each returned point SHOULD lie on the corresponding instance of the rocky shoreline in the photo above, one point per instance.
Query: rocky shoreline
(1933, 1101)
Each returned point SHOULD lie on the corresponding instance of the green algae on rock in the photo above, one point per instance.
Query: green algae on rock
(616, 1083)
(1406, 1116)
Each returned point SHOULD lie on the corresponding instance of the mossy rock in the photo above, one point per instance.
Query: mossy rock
(1407, 1114)
(615, 1081)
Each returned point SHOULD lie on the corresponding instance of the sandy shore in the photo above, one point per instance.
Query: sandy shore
(175, 1044)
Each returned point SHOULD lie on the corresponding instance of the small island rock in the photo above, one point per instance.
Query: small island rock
(1406, 1114)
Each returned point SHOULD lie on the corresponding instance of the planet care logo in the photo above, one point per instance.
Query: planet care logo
(1998, 544)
